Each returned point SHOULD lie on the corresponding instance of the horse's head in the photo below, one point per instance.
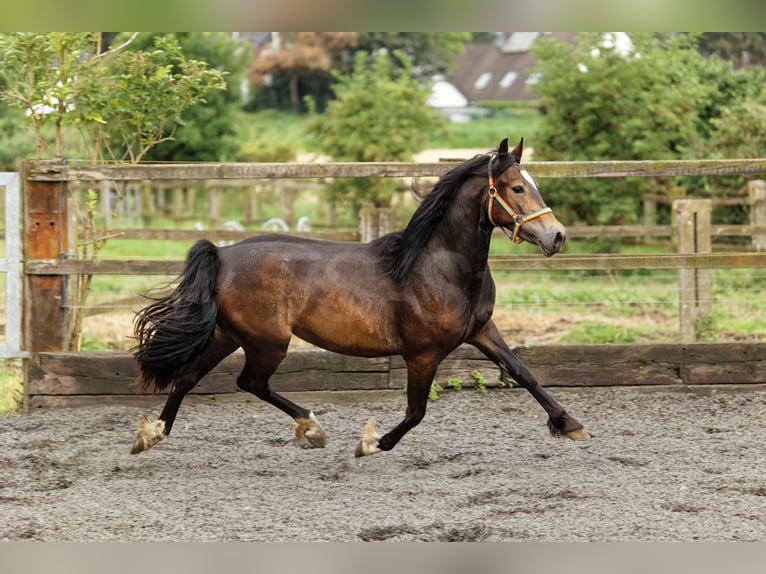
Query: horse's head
(515, 203)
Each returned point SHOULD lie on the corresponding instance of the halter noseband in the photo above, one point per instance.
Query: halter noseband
(518, 220)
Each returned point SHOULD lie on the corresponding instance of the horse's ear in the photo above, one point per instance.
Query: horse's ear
(502, 149)
(517, 151)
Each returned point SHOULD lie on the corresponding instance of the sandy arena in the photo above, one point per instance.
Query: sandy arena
(663, 465)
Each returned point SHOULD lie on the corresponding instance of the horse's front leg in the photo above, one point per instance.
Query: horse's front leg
(560, 422)
(420, 375)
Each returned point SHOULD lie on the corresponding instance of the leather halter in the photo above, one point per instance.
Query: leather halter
(518, 220)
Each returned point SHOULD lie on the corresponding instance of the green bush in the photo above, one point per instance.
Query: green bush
(662, 100)
(267, 152)
(379, 114)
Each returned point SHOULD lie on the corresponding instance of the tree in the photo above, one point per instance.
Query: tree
(36, 75)
(18, 140)
(132, 101)
(206, 130)
(379, 114)
(659, 101)
(430, 53)
(743, 49)
(126, 107)
(295, 54)
(124, 103)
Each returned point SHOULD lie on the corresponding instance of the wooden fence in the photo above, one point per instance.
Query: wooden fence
(88, 379)
(47, 268)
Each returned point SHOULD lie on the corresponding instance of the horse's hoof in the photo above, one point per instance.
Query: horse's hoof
(309, 429)
(149, 434)
(368, 444)
(579, 434)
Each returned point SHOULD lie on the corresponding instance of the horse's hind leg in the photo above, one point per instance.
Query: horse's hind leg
(560, 422)
(259, 366)
(150, 433)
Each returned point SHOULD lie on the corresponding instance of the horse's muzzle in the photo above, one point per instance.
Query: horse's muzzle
(552, 242)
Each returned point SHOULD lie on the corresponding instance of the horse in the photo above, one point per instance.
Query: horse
(419, 293)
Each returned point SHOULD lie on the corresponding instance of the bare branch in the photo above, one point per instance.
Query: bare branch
(118, 48)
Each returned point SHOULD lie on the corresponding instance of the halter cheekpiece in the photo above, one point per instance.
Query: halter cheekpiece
(518, 220)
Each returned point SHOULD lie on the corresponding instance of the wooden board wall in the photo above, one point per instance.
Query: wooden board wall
(74, 379)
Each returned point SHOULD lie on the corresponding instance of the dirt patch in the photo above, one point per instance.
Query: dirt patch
(661, 466)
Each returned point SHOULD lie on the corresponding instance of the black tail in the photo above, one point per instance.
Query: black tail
(178, 327)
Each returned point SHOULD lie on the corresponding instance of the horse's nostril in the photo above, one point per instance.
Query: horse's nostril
(559, 240)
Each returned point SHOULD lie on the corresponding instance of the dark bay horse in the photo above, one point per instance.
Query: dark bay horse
(419, 293)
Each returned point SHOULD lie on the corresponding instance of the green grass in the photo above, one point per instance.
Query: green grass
(513, 122)
(11, 391)
(591, 332)
(271, 127)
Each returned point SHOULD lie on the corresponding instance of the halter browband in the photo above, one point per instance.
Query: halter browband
(518, 220)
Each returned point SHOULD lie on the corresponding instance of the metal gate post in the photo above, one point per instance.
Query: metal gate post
(11, 266)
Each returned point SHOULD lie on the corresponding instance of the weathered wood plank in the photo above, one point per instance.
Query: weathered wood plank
(725, 372)
(241, 171)
(629, 261)
(54, 171)
(497, 262)
(603, 365)
(51, 376)
(574, 231)
(593, 231)
(115, 373)
(222, 235)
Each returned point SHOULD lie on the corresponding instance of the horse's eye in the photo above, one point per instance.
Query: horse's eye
(517, 189)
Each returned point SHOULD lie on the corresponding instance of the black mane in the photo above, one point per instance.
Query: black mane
(400, 250)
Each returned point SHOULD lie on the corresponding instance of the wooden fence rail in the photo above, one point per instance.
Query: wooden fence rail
(75, 379)
(55, 171)
(603, 261)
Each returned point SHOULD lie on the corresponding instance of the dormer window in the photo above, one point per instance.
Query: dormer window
(483, 81)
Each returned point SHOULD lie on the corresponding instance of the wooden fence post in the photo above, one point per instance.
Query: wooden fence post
(287, 204)
(756, 191)
(178, 205)
(650, 213)
(374, 222)
(692, 226)
(46, 221)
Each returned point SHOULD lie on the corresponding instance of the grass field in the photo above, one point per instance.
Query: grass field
(272, 130)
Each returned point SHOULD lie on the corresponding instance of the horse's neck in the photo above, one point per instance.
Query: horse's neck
(461, 231)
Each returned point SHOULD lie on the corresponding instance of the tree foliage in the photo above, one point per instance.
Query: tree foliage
(743, 49)
(124, 103)
(206, 130)
(661, 100)
(379, 114)
(136, 100)
(429, 53)
(38, 74)
(296, 54)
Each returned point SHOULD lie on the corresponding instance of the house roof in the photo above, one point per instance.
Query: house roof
(500, 71)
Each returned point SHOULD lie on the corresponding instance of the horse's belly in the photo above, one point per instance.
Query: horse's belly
(348, 327)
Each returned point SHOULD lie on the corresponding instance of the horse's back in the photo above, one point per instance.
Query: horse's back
(331, 293)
